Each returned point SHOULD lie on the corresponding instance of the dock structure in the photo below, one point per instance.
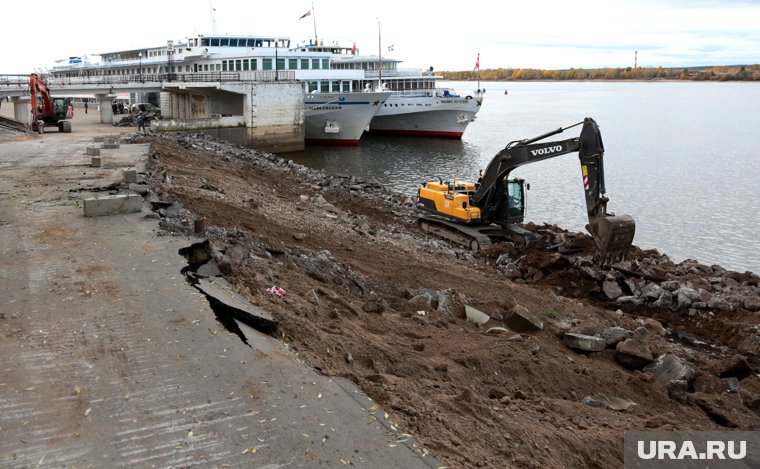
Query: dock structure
(263, 110)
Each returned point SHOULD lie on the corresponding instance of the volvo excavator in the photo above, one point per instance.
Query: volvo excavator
(47, 111)
(475, 214)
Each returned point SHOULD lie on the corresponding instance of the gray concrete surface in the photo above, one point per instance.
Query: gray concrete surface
(110, 359)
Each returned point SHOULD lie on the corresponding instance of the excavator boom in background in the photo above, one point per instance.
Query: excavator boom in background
(476, 213)
(47, 111)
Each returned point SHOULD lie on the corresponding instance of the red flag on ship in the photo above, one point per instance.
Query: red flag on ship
(477, 63)
(353, 49)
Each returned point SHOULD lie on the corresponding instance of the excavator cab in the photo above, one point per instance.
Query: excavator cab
(59, 110)
(516, 200)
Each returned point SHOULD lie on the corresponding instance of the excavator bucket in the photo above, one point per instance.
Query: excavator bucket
(613, 235)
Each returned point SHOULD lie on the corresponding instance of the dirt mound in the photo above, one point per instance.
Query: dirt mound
(572, 356)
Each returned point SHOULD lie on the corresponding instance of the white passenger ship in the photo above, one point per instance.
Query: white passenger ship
(336, 111)
(417, 106)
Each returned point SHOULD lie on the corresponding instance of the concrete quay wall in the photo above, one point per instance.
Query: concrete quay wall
(268, 116)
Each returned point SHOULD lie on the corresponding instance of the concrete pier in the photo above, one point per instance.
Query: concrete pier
(106, 111)
(268, 116)
(22, 109)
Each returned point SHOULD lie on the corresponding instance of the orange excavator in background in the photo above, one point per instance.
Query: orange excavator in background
(47, 111)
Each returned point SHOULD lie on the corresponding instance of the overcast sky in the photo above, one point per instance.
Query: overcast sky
(447, 35)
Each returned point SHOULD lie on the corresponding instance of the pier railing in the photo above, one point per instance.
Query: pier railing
(16, 81)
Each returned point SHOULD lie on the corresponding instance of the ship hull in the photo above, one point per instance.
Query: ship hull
(340, 118)
(426, 116)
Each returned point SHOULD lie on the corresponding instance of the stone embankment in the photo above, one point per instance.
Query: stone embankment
(563, 358)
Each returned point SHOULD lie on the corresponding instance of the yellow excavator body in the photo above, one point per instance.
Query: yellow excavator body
(450, 202)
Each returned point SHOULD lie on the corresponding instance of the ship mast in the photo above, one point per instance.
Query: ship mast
(314, 21)
(379, 58)
(213, 18)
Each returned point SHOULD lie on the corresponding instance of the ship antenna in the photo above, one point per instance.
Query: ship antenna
(314, 20)
(379, 58)
(213, 17)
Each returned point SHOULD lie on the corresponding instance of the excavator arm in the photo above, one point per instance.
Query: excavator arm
(612, 234)
(46, 110)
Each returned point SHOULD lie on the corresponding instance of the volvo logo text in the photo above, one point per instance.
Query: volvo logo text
(546, 151)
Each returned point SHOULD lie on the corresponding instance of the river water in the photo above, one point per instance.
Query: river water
(682, 158)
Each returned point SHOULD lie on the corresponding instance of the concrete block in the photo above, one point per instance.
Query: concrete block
(521, 320)
(130, 176)
(586, 343)
(110, 144)
(99, 139)
(112, 205)
(93, 151)
(97, 162)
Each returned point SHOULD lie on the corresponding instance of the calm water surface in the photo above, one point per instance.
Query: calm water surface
(682, 158)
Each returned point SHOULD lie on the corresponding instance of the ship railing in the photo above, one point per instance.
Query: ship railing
(401, 72)
(190, 77)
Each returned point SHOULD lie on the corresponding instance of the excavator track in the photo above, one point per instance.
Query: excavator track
(475, 238)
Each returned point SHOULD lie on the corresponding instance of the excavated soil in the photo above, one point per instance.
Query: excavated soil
(370, 297)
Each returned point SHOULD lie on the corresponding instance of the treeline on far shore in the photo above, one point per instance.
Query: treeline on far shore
(708, 73)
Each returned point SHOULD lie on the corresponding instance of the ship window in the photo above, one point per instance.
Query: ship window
(214, 42)
(312, 86)
(246, 65)
(204, 42)
(253, 64)
(293, 64)
(237, 65)
(266, 64)
(325, 63)
(315, 64)
(225, 41)
(335, 86)
(324, 86)
(280, 64)
(304, 64)
(224, 65)
(346, 86)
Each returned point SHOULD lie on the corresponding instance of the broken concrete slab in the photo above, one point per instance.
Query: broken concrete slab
(112, 204)
(669, 367)
(221, 295)
(476, 316)
(521, 320)
(93, 151)
(604, 401)
(585, 343)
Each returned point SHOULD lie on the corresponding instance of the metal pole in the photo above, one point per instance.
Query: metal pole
(314, 20)
(379, 57)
